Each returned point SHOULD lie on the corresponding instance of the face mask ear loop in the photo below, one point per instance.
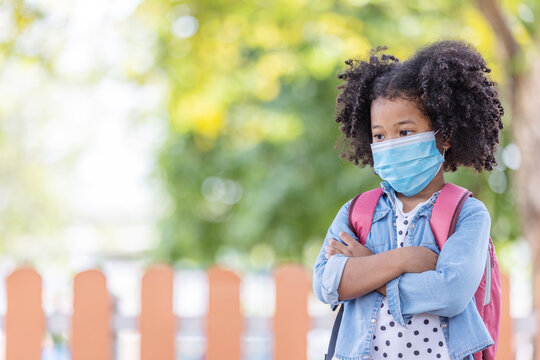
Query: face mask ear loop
(444, 154)
(444, 149)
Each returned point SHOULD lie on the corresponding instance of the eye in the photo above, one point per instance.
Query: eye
(404, 132)
(378, 136)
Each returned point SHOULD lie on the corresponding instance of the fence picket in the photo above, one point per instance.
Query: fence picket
(25, 320)
(224, 322)
(91, 334)
(291, 318)
(505, 346)
(536, 305)
(157, 323)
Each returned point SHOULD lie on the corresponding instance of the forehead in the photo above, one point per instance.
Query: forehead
(387, 113)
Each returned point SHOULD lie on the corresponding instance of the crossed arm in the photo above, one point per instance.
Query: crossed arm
(343, 265)
(415, 283)
(382, 267)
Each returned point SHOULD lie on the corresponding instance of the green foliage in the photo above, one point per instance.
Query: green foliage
(250, 156)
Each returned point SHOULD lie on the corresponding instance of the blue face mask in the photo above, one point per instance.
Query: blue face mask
(408, 163)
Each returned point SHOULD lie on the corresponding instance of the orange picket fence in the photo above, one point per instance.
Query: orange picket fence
(91, 333)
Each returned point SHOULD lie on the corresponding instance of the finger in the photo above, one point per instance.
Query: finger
(333, 243)
(331, 250)
(332, 253)
(338, 245)
(345, 236)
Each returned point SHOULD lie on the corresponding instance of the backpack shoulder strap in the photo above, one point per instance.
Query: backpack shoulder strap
(360, 217)
(446, 211)
(361, 213)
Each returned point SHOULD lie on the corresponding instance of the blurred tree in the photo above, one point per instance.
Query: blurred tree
(249, 159)
(27, 206)
(65, 91)
(518, 38)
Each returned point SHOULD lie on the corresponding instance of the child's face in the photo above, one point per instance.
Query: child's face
(392, 119)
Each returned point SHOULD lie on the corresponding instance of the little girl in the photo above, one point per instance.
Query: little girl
(404, 298)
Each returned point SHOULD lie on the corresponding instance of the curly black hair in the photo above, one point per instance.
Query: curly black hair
(446, 82)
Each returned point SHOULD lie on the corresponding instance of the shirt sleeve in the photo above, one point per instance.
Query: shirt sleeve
(447, 290)
(327, 272)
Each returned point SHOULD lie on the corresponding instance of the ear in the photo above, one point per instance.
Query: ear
(446, 145)
(443, 147)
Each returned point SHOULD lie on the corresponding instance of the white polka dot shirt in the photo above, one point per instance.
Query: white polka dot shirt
(424, 338)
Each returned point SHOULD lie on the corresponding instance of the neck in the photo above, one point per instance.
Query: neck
(435, 185)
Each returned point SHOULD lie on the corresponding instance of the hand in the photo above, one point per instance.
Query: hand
(352, 249)
(418, 259)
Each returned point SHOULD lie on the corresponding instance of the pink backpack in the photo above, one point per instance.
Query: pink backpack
(443, 224)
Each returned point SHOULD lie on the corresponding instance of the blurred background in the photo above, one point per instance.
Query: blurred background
(135, 132)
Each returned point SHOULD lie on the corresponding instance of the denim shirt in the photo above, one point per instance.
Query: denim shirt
(447, 291)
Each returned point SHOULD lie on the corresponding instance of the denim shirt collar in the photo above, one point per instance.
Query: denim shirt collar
(391, 194)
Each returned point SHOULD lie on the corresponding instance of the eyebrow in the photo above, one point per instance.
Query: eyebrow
(406, 121)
